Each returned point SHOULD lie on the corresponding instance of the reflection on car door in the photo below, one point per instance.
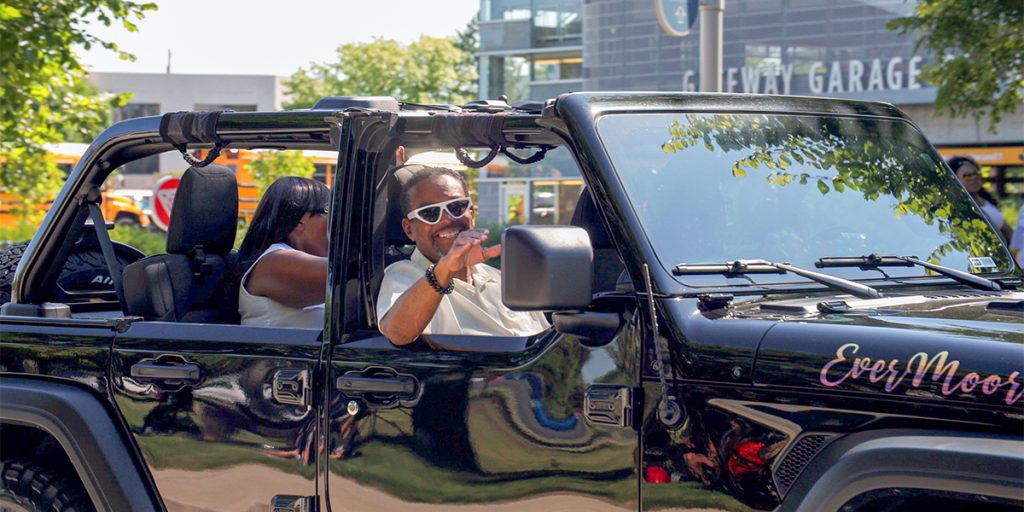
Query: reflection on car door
(218, 412)
(429, 429)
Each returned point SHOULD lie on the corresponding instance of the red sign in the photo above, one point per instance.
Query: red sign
(163, 200)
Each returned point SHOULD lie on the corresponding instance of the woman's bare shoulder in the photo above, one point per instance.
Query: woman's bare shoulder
(285, 268)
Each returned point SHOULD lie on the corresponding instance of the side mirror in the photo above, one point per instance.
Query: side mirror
(546, 268)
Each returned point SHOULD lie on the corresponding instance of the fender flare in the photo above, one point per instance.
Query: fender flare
(112, 474)
(989, 465)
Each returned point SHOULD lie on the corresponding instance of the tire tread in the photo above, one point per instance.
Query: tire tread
(44, 488)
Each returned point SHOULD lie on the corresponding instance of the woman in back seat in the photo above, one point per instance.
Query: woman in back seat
(283, 258)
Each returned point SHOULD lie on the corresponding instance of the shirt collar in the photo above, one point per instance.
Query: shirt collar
(420, 260)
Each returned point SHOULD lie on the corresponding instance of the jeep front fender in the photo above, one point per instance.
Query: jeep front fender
(111, 472)
(945, 461)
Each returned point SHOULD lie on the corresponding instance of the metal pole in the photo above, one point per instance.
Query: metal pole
(711, 15)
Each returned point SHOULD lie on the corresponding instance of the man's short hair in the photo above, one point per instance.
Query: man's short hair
(423, 174)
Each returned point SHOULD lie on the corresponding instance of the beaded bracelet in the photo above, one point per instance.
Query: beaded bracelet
(432, 279)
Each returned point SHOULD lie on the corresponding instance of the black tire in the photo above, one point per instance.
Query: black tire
(9, 259)
(80, 270)
(126, 220)
(30, 488)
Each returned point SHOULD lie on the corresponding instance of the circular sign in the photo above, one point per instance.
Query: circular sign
(676, 16)
(163, 200)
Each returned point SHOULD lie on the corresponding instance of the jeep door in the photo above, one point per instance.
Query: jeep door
(484, 423)
(220, 412)
(474, 422)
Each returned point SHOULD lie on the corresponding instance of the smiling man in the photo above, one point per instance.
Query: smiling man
(445, 288)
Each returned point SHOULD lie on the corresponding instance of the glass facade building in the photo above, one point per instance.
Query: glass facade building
(538, 49)
(530, 49)
(836, 48)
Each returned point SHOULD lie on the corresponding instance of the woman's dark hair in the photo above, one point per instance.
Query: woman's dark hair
(280, 210)
(958, 161)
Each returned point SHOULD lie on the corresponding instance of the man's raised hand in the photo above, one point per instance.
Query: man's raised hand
(468, 250)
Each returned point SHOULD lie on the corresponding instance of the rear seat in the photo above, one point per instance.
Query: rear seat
(190, 283)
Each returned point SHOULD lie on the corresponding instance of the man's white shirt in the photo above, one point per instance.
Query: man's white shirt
(472, 308)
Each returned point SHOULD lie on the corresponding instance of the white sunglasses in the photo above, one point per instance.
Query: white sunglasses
(431, 213)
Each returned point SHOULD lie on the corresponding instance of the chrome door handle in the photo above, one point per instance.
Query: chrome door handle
(401, 386)
(152, 370)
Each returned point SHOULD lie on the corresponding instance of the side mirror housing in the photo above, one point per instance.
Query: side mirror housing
(595, 329)
(546, 268)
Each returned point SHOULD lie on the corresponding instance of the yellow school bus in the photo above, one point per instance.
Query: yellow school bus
(116, 207)
(238, 160)
(324, 163)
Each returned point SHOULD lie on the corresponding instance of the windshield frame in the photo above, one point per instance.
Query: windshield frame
(742, 284)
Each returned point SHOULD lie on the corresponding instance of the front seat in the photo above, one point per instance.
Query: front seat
(388, 217)
(189, 283)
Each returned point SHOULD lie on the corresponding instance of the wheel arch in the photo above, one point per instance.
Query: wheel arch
(112, 473)
(974, 464)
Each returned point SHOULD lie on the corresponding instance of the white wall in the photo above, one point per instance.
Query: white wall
(176, 92)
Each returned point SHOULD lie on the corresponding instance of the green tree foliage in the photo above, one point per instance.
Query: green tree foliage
(430, 70)
(979, 48)
(272, 165)
(872, 159)
(45, 96)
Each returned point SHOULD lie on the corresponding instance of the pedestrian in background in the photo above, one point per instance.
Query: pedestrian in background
(969, 173)
(1017, 240)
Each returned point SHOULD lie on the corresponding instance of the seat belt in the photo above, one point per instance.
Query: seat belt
(93, 199)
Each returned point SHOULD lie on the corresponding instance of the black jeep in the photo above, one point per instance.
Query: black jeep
(758, 303)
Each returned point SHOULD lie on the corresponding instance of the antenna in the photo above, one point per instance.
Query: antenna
(168, 61)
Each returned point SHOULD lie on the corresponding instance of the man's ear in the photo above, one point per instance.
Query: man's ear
(407, 228)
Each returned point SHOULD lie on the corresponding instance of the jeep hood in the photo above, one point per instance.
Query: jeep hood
(966, 347)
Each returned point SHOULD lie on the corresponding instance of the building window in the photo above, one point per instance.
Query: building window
(509, 75)
(803, 57)
(145, 165)
(133, 110)
(559, 66)
(508, 10)
(763, 54)
(557, 23)
(320, 172)
(218, 106)
(151, 163)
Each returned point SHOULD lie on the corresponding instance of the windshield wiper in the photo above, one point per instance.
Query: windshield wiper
(742, 267)
(872, 261)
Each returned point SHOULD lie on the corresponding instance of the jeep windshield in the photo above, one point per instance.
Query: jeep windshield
(713, 188)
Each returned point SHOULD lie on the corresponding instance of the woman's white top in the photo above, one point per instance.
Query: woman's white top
(992, 212)
(267, 312)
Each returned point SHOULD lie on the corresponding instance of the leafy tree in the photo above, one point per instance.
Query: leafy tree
(430, 70)
(43, 85)
(272, 165)
(980, 49)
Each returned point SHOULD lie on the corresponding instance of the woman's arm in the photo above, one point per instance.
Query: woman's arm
(293, 278)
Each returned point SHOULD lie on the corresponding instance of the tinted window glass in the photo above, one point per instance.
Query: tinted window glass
(715, 188)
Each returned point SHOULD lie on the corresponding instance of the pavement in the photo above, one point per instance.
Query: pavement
(249, 488)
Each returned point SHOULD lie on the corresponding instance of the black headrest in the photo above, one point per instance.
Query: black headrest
(587, 217)
(205, 211)
(393, 182)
